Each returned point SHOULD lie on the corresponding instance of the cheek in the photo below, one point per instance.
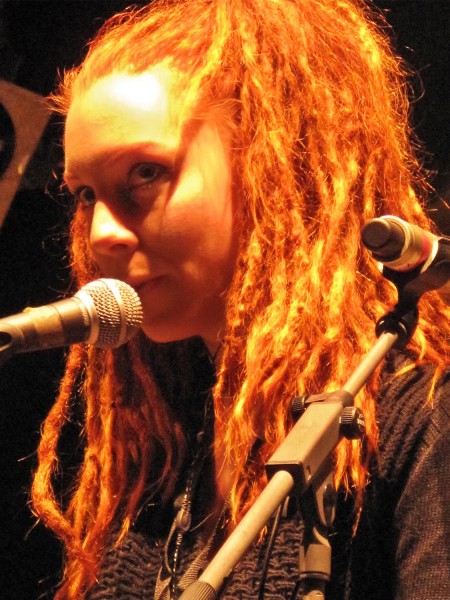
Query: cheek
(202, 199)
(199, 220)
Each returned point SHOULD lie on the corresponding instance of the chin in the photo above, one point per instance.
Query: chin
(165, 335)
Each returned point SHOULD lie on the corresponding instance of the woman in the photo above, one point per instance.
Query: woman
(225, 156)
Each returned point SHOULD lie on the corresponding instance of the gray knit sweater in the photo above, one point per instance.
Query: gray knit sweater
(402, 547)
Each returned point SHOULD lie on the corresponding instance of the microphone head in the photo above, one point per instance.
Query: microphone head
(116, 308)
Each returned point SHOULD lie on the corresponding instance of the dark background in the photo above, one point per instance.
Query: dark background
(36, 39)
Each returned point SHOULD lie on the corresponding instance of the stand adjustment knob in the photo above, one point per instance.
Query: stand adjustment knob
(352, 423)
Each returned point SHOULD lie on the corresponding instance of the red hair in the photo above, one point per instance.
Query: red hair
(320, 145)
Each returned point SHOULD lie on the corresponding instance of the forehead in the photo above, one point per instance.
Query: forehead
(123, 107)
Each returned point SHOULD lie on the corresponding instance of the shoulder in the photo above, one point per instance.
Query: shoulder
(401, 546)
(409, 423)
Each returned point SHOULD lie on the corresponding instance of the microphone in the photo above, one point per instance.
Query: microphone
(410, 251)
(104, 313)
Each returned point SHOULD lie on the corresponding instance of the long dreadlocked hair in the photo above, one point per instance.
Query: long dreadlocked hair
(320, 145)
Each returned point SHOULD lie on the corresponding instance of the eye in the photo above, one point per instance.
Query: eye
(85, 195)
(145, 174)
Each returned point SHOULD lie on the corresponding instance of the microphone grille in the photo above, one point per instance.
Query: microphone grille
(118, 310)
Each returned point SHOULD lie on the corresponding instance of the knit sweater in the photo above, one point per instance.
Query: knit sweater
(401, 549)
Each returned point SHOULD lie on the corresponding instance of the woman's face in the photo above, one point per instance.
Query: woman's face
(157, 199)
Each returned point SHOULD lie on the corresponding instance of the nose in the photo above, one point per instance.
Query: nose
(110, 235)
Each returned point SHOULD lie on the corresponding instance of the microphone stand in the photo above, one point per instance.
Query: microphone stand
(302, 465)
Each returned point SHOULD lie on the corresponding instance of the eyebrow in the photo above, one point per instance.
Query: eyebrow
(165, 152)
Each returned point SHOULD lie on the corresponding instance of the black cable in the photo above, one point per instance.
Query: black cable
(265, 567)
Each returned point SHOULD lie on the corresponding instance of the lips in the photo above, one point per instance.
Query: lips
(138, 283)
(138, 278)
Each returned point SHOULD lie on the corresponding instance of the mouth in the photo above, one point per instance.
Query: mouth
(136, 280)
(141, 283)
